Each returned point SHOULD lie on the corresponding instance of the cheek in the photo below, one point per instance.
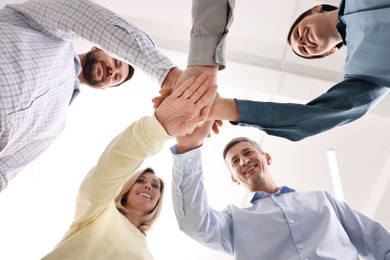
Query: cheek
(157, 197)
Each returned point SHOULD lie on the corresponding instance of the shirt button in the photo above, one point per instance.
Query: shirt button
(300, 246)
(189, 160)
(292, 221)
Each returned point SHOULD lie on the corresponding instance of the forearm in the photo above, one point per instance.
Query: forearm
(85, 19)
(344, 103)
(194, 215)
(225, 109)
(211, 21)
(118, 162)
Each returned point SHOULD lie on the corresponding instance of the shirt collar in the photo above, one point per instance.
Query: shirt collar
(257, 195)
(341, 26)
(76, 91)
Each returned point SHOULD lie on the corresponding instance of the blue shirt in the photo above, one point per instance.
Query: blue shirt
(364, 26)
(285, 225)
(39, 69)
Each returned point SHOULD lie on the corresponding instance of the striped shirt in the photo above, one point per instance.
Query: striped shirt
(39, 69)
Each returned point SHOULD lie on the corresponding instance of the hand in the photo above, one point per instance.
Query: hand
(192, 71)
(172, 76)
(164, 92)
(195, 139)
(196, 71)
(182, 111)
(224, 109)
(216, 125)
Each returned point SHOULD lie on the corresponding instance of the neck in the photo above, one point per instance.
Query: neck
(269, 187)
(270, 190)
(135, 217)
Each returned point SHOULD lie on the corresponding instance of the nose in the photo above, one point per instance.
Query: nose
(112, 71)
(243, 161)
(301, 41)
(147, 186)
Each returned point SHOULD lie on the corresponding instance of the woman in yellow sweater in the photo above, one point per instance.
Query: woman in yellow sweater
(116, 205)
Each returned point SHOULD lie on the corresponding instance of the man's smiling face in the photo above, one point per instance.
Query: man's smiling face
(248, 165)
(100, 70)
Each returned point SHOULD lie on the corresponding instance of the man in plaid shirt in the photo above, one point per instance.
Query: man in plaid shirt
(40, 72)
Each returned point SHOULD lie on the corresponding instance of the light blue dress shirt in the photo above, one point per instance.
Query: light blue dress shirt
(364, 26)
(39, 69)
(286, 225)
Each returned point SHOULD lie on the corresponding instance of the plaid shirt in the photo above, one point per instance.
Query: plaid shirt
(39, 69)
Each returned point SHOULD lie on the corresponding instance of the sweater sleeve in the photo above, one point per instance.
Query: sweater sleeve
(116, 165)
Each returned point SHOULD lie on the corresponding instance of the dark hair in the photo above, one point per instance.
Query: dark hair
(237, 140)
(129, 76)
(326, 8)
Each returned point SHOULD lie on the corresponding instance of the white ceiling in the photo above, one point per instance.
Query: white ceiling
(38, 205)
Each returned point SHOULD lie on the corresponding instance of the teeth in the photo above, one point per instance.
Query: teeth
(145, 195)
(250, 168)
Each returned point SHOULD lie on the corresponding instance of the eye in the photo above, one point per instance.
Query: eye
(234, 162)
(140, 180)
(247, 153)
(156, 186)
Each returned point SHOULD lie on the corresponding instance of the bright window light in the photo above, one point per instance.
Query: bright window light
(334, 170)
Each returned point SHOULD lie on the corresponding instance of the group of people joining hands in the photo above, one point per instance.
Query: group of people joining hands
(117, 203)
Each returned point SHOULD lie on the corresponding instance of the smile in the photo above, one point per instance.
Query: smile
(310, 38)
(145, 195)
(249, 169)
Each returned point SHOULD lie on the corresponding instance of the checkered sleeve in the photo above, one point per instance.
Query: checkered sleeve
(87, 20)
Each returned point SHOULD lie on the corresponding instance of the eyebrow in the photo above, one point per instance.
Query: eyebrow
(241, 152)
(155, 179)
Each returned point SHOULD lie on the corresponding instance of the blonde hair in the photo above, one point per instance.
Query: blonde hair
(151, 217)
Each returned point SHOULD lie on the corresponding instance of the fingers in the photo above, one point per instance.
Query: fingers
(183, 87)
(201, 88)
(204, 104)
(189, 87)
(157, 101)
(197, 89)
(165, 91)
(216, 125)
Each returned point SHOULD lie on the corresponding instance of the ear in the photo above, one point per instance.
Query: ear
(235, 180)
(269, 159)
(317, 9)
(333, 50)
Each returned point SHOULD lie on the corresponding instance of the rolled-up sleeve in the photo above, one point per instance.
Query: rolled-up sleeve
(211, 21)
(342, 104)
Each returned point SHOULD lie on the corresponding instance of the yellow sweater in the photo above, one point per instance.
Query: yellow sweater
(99, 230)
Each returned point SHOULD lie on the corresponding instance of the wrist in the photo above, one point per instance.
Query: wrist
(225, 109)
(181, 148)
(205, 68)
(173, 74)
